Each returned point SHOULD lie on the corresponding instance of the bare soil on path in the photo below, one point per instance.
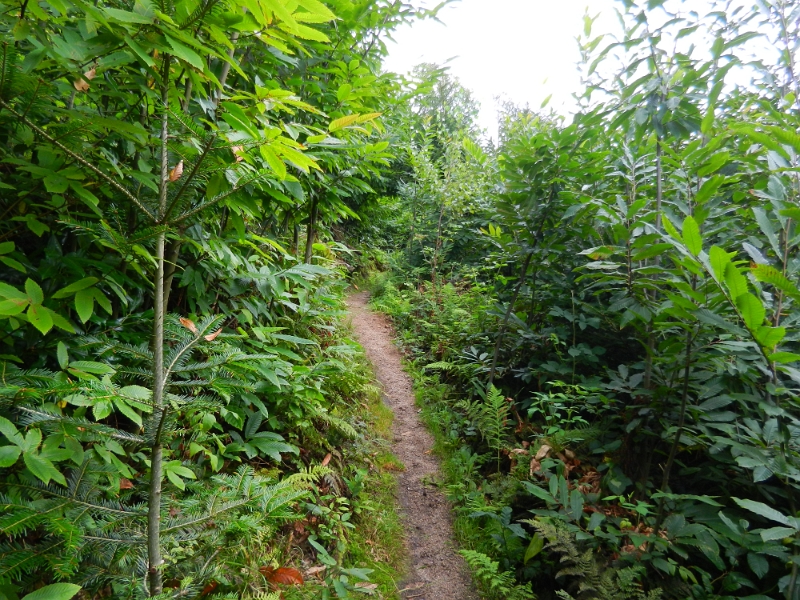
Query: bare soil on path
(436, 571)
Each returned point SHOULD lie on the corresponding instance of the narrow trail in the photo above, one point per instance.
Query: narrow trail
(436, 571)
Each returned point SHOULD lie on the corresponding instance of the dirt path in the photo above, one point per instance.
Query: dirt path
(436, 571)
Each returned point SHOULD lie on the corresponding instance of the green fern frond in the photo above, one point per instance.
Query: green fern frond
(339, 424)
(439, 366)
(588, 579)
(495, 584)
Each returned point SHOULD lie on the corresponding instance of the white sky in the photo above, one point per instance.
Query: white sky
(523, 50)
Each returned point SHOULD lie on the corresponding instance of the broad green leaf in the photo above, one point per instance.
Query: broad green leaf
(317, 8)
(139, 51)
(123, 16)
(102, 409)
(771, 275)
(102, 300)
(84, 304)
(129, 412)
(40, 317)
(343, 93)
(785, 136)
(186, 54)
(79, 285)
(216, 462)
(35, 293)
(300, 160)
(768, 229)
(765, 511)
(670, 229)
(769, 337)
(37, 227)
(275, 163)
(137, 392)
(183, 472)
(14, 264)
(691, 235)
(32, 440)
(368, 117)
(96, 368)
(784, 357)
(777, 533)
(309, 33)
(650, 251)
(13, 306)
(708, 189)
(55, 591)
(752, 310)
(281, 12)
(77, 453)
(539, 492)
(715, 163)
(7, 291)
(534, 548)
(9, 455)
(6, 247)
(8, 429)
(42, 468)
(89, 199)
(735, 281)
(63, 355)
(342, 122)
(61, 322)
(792, 213)
(176, 481)
(719, 260)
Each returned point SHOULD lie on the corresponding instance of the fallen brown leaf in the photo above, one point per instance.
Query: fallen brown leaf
(366, 586)
(542, 452)
(176, 173)
(189, 324)
(282, 575)
(212, 336)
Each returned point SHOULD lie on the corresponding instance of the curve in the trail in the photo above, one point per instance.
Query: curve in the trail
(436, 571)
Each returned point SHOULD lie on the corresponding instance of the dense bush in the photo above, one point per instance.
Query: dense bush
(629, 282)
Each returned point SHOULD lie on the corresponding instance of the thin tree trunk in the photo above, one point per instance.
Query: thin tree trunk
(226, 68)
(311, 232)
(156, 460)
(172, 255)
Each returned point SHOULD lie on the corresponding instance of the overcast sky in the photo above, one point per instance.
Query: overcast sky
(523, 50)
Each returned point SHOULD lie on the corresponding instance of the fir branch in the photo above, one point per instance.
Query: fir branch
(77, 157)
(222, 196)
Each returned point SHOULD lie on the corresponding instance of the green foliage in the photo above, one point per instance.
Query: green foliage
(167, 351)
(494, 583)
(629, 277)
(490, 416)
(586, 576)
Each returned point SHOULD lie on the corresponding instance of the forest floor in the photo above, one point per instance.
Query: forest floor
(435, 569)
